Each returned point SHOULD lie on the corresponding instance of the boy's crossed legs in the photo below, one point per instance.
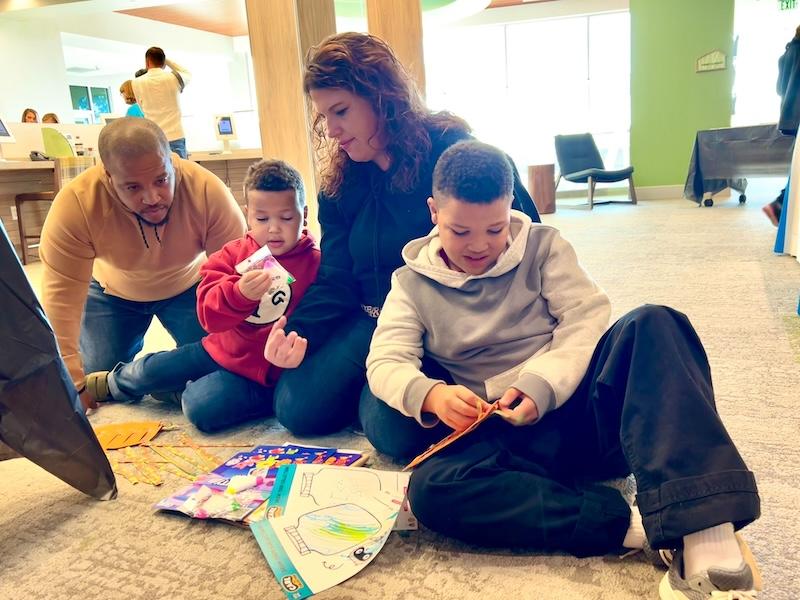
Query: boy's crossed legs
(645, 405)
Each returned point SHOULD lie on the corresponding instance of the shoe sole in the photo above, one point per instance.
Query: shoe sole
(666, 592)
(773, 218)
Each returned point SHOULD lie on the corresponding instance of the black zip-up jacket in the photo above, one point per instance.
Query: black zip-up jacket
(363, 231)
(789, 87)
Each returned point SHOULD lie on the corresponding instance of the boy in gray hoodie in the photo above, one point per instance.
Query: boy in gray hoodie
(491, 306)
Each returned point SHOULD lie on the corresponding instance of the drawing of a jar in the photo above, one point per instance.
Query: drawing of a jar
(333, 530)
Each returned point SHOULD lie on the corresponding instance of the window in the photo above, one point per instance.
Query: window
(97, 100)
(520, 84)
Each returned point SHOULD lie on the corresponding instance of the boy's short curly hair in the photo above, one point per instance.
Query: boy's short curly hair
(473, 172)
(270, 175)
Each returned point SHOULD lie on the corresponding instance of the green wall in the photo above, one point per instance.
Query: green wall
(669, 100)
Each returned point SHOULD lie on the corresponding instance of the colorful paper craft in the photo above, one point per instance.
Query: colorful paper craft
(123, 435)
(260, 462)
(493, 408)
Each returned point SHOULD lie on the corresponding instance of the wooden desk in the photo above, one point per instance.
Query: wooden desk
(230, 168)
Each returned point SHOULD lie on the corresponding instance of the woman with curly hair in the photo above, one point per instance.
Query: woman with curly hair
(377, 143)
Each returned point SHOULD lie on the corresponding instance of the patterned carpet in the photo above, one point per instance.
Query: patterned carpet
(715, 265)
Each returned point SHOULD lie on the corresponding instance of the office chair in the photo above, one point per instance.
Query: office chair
(65, 170)
(55, 144)
(579, 161)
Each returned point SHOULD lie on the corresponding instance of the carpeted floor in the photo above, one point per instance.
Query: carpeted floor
(715, 265)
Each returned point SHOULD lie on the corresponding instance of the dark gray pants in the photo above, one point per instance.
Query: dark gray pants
(645, 405)
(321, 395)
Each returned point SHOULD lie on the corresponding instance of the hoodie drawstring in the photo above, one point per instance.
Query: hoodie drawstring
(141, 230)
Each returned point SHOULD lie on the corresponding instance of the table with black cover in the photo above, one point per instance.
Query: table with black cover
(723, 158)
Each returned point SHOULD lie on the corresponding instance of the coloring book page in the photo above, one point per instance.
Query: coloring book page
(326, 523)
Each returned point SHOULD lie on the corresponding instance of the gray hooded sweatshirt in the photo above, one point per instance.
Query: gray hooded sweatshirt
(531, 322)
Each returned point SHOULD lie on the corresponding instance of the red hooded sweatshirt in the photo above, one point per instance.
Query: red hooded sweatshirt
(238, 327)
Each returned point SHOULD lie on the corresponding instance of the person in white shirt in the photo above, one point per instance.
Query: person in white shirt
(158, 91)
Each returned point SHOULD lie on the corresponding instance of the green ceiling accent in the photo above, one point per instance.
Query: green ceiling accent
(357, 8)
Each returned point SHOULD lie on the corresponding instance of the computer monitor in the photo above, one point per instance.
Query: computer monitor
(106, 118)
(5, 136)
(225, 130)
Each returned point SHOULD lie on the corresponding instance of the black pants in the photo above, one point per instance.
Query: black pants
(645, 406)
(321, 395)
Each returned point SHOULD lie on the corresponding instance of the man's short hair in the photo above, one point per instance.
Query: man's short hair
(271, 175)
(473, 172)
(131, 137)
(156, 56)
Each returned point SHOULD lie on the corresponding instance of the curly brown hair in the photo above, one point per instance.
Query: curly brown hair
(366, 66)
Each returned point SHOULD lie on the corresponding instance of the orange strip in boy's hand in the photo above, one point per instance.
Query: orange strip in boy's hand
(482, 416)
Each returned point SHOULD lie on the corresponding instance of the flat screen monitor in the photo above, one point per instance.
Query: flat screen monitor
(225, 130)
(225, 127)
(5, 134)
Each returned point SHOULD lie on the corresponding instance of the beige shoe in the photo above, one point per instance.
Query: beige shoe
(97, 386)
(743, 583)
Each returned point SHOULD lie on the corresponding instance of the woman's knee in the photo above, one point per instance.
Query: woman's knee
(325, 415)
(308, 403)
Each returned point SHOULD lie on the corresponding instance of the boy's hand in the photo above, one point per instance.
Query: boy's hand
(285, 351)
(455, 405)
(524, 412)
(254, 284)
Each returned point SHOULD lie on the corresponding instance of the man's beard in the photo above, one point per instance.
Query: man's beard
(153, 224)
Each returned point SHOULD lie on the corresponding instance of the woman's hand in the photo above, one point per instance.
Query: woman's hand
(524, 413)
(285, 351)
(455, 405)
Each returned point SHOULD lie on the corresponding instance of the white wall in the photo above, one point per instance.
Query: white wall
(33, 69)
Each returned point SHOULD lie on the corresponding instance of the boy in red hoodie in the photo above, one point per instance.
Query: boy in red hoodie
(225, 378)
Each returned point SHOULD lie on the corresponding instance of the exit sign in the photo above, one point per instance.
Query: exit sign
(787, 4)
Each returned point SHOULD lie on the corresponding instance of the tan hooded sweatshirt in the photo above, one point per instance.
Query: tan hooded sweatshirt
(90, 233)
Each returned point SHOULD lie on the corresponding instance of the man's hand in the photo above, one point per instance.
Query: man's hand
(285, 351)
(87, 401)
(254, 284)
(524, 413)
(455, 405)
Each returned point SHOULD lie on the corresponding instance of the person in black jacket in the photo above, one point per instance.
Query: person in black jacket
(378, 144)
(788, 87)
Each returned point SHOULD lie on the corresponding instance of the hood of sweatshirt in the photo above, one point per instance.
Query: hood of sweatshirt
(423, 255)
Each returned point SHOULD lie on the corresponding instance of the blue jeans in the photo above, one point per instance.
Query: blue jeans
(213, 398)
(321, 396)
(179, 147)
(112, 329)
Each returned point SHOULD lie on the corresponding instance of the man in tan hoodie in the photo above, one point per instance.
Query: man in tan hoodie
(124, 242)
